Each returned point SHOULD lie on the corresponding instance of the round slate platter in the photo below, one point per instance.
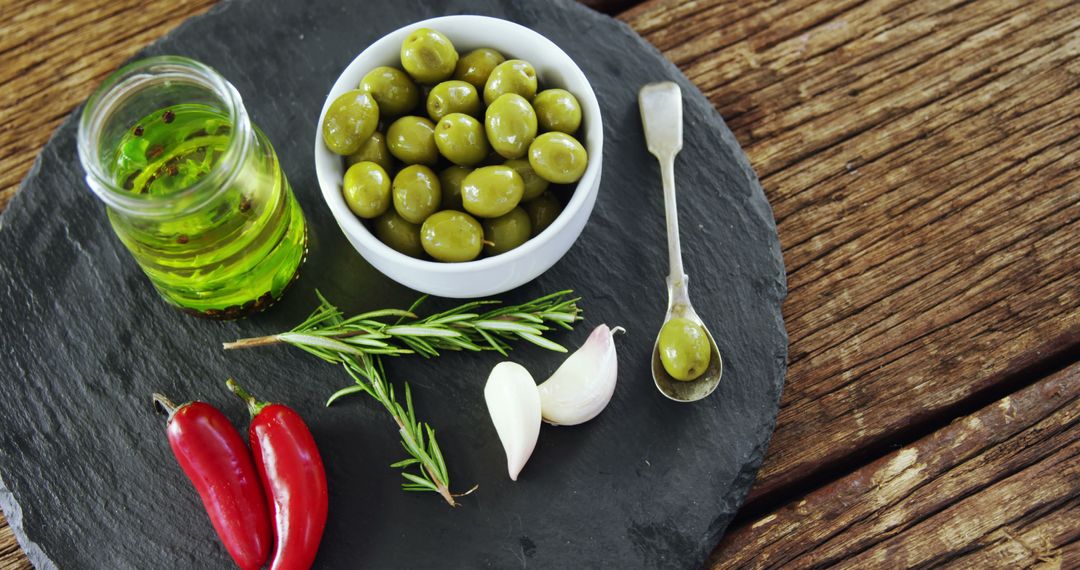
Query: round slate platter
(89, 480)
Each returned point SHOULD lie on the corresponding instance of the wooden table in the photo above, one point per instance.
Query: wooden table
(921, 157)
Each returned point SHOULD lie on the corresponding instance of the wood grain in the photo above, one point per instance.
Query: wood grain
(920, 157)
(11, 556)
(921, 162)
(55, 53)
(999, 488)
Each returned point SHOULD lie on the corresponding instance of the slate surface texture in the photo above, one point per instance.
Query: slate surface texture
(88, 480)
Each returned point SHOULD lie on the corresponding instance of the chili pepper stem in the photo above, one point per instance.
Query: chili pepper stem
(254, 405)
(164, 404)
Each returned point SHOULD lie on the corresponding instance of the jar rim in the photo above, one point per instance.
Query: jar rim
(132, 78)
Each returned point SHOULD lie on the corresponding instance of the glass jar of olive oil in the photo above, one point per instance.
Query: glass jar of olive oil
(192, 188)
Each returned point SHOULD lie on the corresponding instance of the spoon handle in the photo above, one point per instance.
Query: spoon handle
(676, 276)
(661, 117)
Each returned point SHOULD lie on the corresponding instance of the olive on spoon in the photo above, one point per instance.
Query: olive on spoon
(684, 368)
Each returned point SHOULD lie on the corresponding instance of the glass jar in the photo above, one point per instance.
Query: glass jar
(192, 187)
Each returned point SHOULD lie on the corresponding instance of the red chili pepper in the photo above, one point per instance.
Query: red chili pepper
(293, 476)
(215, 459)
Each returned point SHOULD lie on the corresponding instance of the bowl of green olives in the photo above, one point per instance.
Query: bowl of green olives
(461, 156)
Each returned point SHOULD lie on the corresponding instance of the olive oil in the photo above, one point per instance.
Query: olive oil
(237, 236)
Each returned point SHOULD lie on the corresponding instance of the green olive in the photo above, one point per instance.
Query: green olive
(534, 185)
(506, 232)
(452, 236)
(450, 185)
(557, 110)
(461, 139)
(491, 191)
(392, 89)
(685, 349)
(511, 76)
(542, 211)
(452, 97)
(412, 140)
(416, 192)
(367, 189)
(475, 66)
(558, 158)
(510, 123)
(373, 150)
(349, 121)
(399, 234)
(428, 56)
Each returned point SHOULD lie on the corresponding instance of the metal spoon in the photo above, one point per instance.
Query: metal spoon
(661, 115)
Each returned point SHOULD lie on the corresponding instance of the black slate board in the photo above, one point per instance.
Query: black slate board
(88, 478)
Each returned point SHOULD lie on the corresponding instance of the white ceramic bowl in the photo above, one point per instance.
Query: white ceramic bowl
(503, 272)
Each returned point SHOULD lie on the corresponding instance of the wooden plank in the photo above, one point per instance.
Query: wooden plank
(11, 556)
(999, 488)
(921, 162)
(55, 53)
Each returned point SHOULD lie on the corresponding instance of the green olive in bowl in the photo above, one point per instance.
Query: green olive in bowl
(373, 150)
(450, 180)
(558, 158)
(428, 56)
(510, 124)
(416, 193)
(367, 189)
(411, 140)
(511, 76)
(557, 110)
(401, 235)
(392, 89)
(542, 211)
(452, 236)
(476, 66)
(460, 138)
(452, 97)
(491, 191)
(350, 121)
(506, 232)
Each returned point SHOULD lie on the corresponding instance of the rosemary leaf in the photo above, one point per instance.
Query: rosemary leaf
(418, 480)
(508, 326)
(421, 331)
(543, 342)
(344, 392)
(319, 342)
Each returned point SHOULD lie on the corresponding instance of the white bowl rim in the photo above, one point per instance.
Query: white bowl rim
(354, 227)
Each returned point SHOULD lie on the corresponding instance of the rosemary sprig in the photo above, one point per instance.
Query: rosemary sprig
(418, 438)
(460, 328)
(359, 342)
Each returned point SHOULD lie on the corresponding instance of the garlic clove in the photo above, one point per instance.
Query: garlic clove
(583, 385)
(514, 404)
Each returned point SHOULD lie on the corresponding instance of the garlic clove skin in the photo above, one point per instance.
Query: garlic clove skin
(514, 404)
(582, 387)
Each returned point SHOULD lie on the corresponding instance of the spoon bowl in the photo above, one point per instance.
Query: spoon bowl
(686, 390)
(661, 117)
